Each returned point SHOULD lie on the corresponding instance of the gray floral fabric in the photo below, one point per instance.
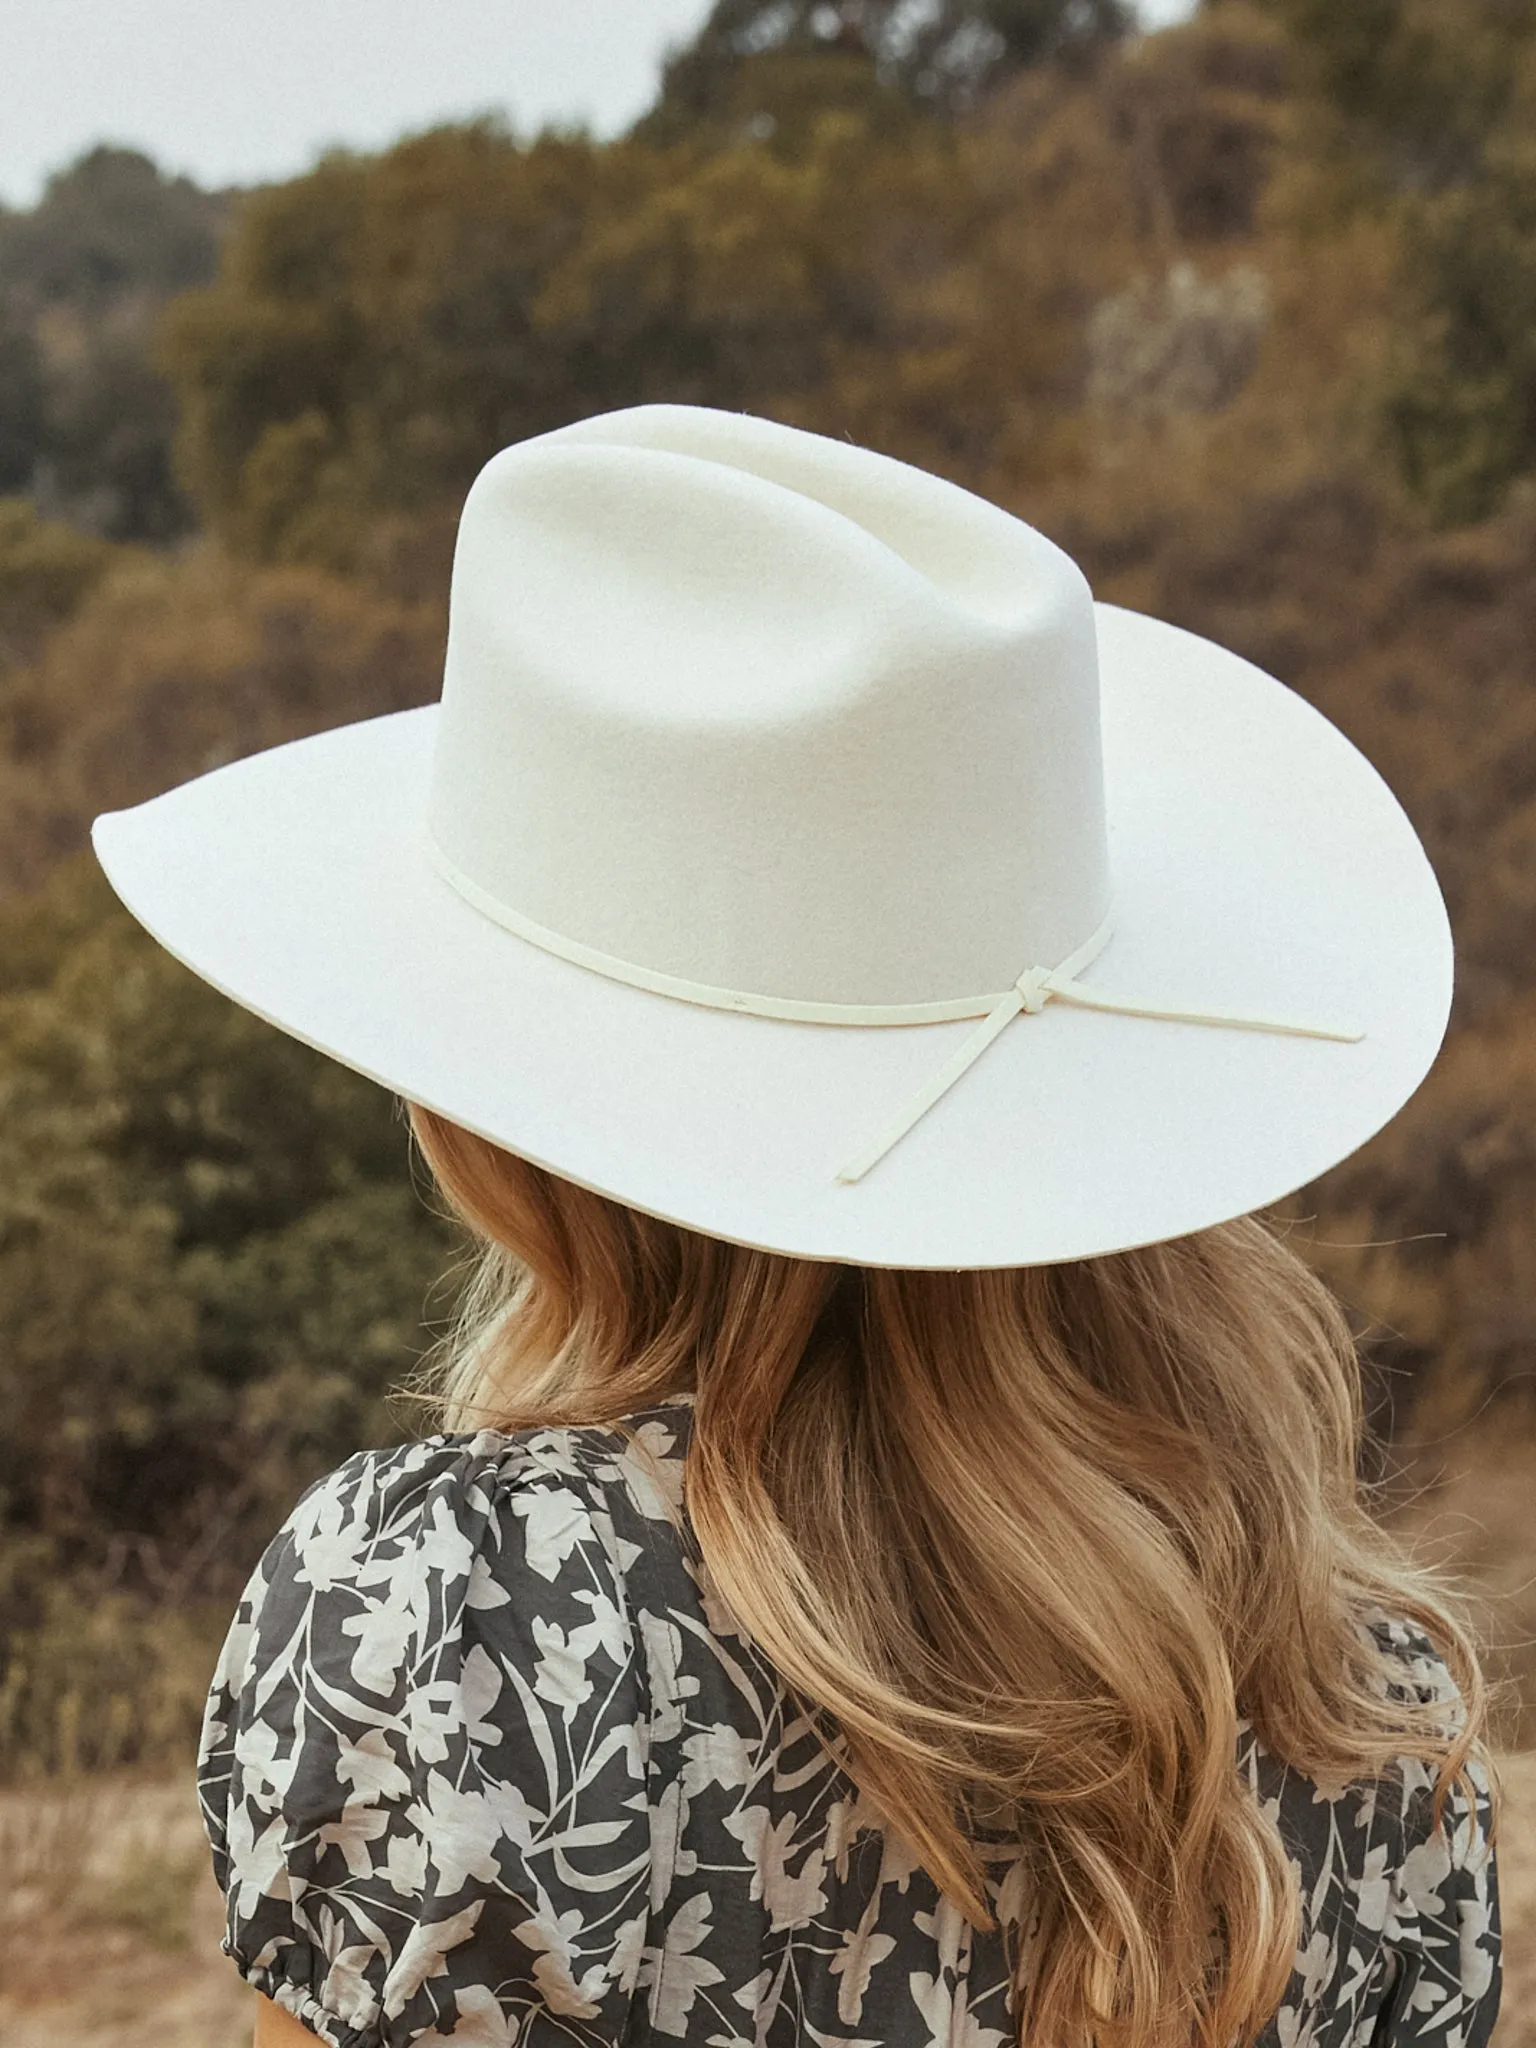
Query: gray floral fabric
(486, 1762)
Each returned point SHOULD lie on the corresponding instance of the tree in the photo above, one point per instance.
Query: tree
(942, 53)
(86, 421)
(370, 339)
(776, 97)
(1460, 405)
(1420, 87)
(109, 228)
(105, 460)
(46, 569)
(23, 395)
(213, 1272)
(1424, 113)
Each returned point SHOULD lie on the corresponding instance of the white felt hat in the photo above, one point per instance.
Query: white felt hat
(799, 853)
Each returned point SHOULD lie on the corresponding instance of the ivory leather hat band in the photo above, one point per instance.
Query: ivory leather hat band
(753, 745)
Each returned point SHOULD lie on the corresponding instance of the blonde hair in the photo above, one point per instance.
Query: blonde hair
(1034, 1538)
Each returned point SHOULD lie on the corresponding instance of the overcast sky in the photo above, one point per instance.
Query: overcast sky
(235, 91)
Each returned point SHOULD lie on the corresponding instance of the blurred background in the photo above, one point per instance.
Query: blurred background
(1237, 303)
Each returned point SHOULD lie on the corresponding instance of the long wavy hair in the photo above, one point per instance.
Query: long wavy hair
(1033, 1538)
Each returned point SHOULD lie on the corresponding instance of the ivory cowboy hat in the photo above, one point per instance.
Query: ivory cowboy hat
(799, 853)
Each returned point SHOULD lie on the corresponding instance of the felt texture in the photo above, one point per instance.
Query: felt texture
(743, 728)
(860, 817)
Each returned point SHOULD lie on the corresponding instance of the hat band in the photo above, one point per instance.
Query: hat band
(790, 1009)
(1035, 987)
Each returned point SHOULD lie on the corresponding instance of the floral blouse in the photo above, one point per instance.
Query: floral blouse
(486, 1762)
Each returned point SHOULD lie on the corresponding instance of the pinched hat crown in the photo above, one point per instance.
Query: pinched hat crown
(773, 724)
(769, 715)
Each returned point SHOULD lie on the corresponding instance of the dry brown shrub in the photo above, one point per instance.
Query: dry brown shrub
(174, 666)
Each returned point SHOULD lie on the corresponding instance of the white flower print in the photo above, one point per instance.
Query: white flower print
(1475, 1926)
(554, 1521)
(1423, 1871)
(792, 1898)
(443, 1549)
(485, 1760)
(355, 1827)
(480, 2021)
(855, 1962)
(368, 1765)
(423, 1956)
(653, 1475)
(267, 1775)
(1315, 1963)
(434, 1716)
(461, 1835)
(560, 1675)
(330, 1542)
(553, 1938)
(484, 1589)
(663, 1653)
(258, 1862)
(715, 1756)
(608, 1630)
(681, 1973)
(946, 2014)
(447, 1708)
(405, 1866)
(1373, 1890)
(382, 1630)
(628, 1949)
(346, 1990)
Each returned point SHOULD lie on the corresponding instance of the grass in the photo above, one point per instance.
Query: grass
(110, 1922)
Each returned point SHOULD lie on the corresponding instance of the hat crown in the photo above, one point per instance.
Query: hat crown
(768, 713)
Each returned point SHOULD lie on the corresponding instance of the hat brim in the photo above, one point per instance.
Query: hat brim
(1260, 863)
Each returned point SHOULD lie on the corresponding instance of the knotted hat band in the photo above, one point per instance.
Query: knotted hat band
(1035, 987)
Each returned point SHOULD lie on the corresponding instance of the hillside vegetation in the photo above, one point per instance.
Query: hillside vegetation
(1242, 313)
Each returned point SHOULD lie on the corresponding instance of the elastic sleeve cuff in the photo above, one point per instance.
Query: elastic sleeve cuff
(289, 1983)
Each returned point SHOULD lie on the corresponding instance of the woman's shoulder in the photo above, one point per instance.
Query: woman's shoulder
(401, 1557)
(1407, 1665)
(641, 1453)
(429, 1730)
(456, 1499)
(1380, 1821)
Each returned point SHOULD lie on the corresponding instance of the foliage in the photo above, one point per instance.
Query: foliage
(23, 395)
(212, 1270)
(1417, 86)
(1428, 109)
(46, 569)
(380, 328)
(940, 54)
(777, 97)
(1223, 310)
(86, 421)
(108, 227)
(169, 667)
(1461, 405)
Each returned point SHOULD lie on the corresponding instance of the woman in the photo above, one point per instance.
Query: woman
(892, 1570)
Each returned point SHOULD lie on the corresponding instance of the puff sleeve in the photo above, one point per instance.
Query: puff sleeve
(423, 1762)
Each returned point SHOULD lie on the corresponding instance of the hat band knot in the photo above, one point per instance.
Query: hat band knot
(1034, 987)
(1028, 995)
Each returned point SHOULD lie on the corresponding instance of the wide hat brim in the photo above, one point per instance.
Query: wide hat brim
(1259, 863)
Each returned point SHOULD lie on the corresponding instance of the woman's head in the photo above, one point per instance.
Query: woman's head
(1034, 1538)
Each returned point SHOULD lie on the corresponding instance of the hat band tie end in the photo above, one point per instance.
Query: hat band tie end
(1035, 987)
